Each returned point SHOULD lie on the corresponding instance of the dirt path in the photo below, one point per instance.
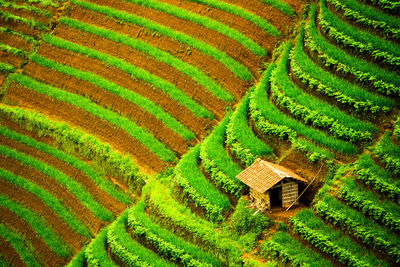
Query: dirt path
(35, 204)
(111, 134)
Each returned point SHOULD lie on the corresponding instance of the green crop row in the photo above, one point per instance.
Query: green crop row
(39, 225)
(389, 5)
(7, 68)
(261, 108)
(331, 242)
(102, 182)
(311, 109)
(165, 248)
(52, 3)
(205, 22)
(218, 163)
(357, 39)
(95, 253)
(33, 9)
(19, 245)
(281, 6)
(244, 144)
(396, 130)
(240, 12)
(124, 93)
(370, 204)
(191, 71)
(288, 249)
(388, 153)
(73, 140)
(341, 90)
(129, 250)
(76, 189)
(134, 71)
(13, 50)
(142, 135)
(204, 194)
(158, 198)
(359, 226)
(29, 22)
(50, 200)
(238, 69)
(367, 73)
(27, 38)
(369, 173)
(368, 16)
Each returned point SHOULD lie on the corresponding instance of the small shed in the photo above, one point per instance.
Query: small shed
(268, 180)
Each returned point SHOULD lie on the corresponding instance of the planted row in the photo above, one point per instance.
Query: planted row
(5, 15)
(388, 153)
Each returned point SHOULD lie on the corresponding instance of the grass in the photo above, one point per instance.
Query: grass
(122, 92)
(134, 71)
(138, 213)
(235, 67)
(7, 68)
(19, 244)
(187, 69)
(95, 252)
(50, 200)
(76, 189)
(205, 22)
(102, 182)
(281, 6)
(129, 126)
(39, 225)
(240, 12)
(338, 84)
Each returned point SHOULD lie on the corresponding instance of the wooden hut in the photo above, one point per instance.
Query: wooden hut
(268, 180)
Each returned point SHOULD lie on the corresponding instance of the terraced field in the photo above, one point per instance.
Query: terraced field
(124, 124)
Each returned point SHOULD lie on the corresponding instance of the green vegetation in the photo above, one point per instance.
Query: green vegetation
(218, 163)
(70, 184)
(73, 140)
(281, 5)
(240, 12)
(21, 35)
(205, 22)
(25, 7)
(4, 67)
(13, 50)
(388, 153)
(244, 144)
(292, 251)
(332, 242)
(102, 182)
(39, 225)
(192, 181)
(124, 93)
(238, 69)
(29, 22)
(134, 71)
(95, 252)
(47, 198)
(18, 243)
(129, 126)
(190, 70)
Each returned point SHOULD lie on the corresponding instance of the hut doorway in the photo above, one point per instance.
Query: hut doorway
(276, 197)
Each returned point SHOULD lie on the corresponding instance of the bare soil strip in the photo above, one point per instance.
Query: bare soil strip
(33, 203)
(98, 195)
(213, 68)
(221, 42)
(11, 220)
(107, 99)
(10, 59)
(54, 188)
(123, 79)
(15, 41)
(136, 58)
(111, 134)
(9, 254)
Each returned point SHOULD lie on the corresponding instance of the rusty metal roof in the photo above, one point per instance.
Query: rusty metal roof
(262, 175)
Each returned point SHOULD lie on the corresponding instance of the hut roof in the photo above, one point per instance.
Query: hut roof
(262, 175)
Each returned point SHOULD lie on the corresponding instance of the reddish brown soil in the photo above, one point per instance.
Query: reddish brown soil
(14, 41)
(27, 14)
(123, 79)
(16, 26)
(110, 100)
(136, 58)
(9, 254)
(207, 64)
(111, 134)
(22, 227)
(10, 59)
(222, 42)
(244, 26)
(33, 203)
(100, 196)
(54, 188)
